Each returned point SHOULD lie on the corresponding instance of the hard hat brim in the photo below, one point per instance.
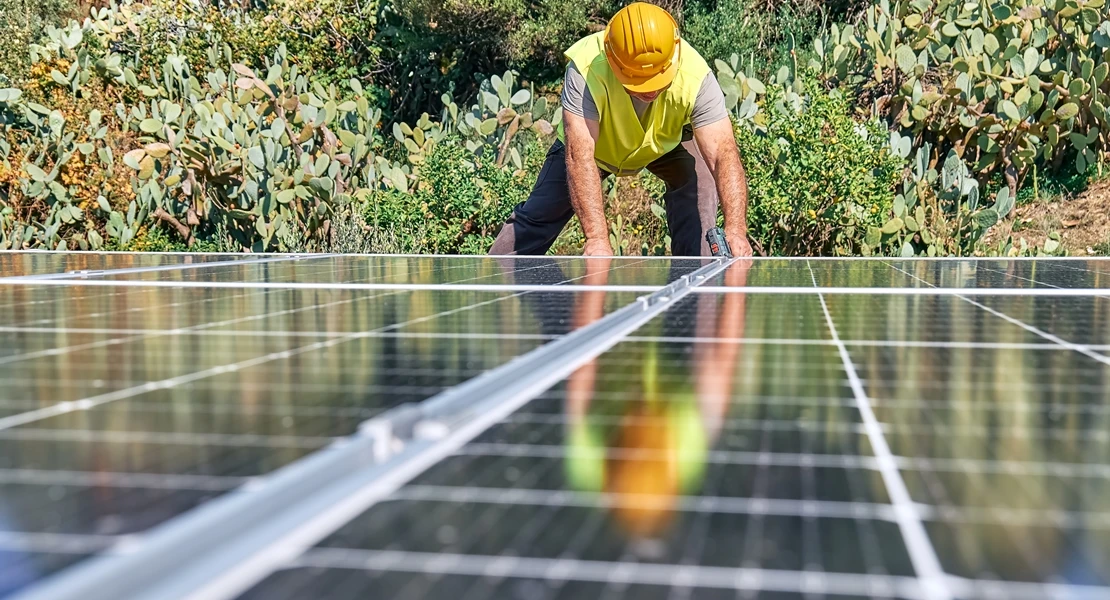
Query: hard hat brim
(646, 85)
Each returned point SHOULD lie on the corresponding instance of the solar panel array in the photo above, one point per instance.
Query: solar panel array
(317, 426)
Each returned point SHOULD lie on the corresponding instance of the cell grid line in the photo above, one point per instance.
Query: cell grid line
(158, 268)
(328, 286)
(1021, 516)
(118, 479)
(775, 459)
(267, 333)
(1014, 590)
(741, 578)
(1030, 328)
(729, 423)
(56, 543)
(787, 459)
(969, 465)
(900, 291)
(871, 343)
(778, 290)
(700, 504)
(924, 557)
(749, 424)
(165, 437)
(847, 259)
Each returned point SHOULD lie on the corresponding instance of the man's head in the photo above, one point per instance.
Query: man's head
(641, 44)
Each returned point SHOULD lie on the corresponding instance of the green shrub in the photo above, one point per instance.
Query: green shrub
(1007, 84)
(763, 32)
(816, 178)
(429, 47)
(102, 144)
(331, 40)
(399, 212)
(459, 204)
(757, 32)
(21, 24)
(157, 239)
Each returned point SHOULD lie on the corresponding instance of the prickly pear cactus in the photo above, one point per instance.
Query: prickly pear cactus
(1003, 84)
(260, 152)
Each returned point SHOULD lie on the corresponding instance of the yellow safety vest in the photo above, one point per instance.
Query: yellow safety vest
(625, 145)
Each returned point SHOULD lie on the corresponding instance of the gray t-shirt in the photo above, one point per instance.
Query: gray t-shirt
(708, 108)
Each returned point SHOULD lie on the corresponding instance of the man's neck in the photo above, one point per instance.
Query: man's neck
(639, 106)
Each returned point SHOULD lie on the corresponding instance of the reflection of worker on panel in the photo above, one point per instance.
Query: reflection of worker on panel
(646, 442)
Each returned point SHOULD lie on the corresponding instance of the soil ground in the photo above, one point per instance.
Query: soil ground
(1082, 220)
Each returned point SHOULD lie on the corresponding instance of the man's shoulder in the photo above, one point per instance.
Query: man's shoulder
(588, 45)
(691, 56)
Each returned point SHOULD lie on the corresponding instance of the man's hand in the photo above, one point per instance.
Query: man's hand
(738, 242)
(597, 247)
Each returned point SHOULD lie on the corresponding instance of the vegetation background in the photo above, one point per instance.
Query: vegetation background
(921, 127)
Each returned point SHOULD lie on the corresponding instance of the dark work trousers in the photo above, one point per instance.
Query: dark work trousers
(690, 201)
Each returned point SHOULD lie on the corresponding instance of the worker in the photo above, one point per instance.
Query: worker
(636, 97)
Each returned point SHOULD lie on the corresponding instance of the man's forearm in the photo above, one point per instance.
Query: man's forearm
(585, 195)
(732, 189)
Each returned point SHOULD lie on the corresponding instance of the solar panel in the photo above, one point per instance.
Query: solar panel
(317, 426)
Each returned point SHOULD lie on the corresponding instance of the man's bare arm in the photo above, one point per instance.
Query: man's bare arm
(718, 147)
(585, 183)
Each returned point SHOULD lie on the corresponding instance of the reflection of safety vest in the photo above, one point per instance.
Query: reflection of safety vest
(588, 442)
(626, 145)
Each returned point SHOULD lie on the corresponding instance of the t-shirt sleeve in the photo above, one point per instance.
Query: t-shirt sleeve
(576, 97)
(709, 107)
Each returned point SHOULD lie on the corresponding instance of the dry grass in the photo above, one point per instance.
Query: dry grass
(1083, 221)
(642, 231)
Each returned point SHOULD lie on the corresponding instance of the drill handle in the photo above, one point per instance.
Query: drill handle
(718, 244)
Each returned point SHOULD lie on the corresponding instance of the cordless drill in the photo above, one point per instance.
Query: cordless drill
(718, 245)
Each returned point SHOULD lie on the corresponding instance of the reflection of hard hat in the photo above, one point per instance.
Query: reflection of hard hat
(655, 452)
(641, 43)
(644, 471)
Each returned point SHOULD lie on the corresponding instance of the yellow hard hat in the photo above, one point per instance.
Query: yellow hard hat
(641, 43)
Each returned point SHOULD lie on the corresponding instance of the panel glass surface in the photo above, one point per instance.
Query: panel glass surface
(20, 264)
(740, 445)
(506, 270)
(686, 451)
(993, 413)
(913, 273)
(124, 407)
